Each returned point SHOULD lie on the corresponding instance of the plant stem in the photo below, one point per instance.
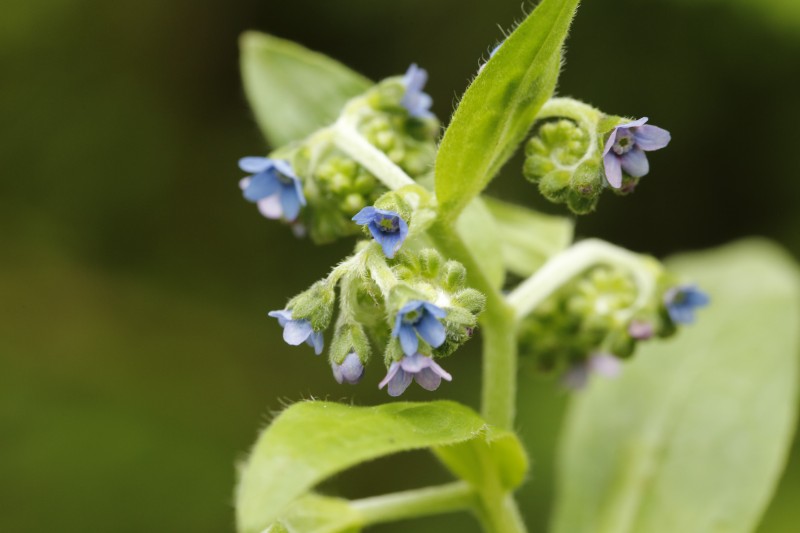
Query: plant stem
(499, 328)
(350, 141)
(448, 498)
(501, 516)
(571, 262)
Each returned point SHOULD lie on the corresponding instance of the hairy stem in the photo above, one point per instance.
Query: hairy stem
(571, 262)
(351, 142)
(501, 516)
(499, 328)
(458, 496)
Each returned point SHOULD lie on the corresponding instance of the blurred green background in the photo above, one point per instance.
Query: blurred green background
(136, 359)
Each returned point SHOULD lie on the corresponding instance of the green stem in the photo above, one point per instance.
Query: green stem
(501, 516)
(351, 142)
(571, 262)
(458, 496)
(499, 327)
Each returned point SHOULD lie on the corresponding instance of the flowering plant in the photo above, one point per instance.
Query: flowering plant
(435, 263)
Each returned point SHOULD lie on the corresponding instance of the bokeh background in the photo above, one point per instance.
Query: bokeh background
(136, 359)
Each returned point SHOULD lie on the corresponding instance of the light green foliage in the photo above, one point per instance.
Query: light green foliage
(480, 232)
(527, 238)
(292, 90)
(313, 513)
(311, 441)
(693, 436)
(500, 106)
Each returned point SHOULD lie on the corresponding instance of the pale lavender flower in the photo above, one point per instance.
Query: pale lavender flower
(417, 103)
(350, 371)
(681, 301)
(599, 363)
(424, 370)
(419, 317)
(296, 332)
(387, 227)
(625, 150)
(274, 187)
(640, 330)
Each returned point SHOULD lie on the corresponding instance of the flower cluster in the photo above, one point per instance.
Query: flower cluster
(573, 159)
(598, 318)
(318, 188)
(414, 305)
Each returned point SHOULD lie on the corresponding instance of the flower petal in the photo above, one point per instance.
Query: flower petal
(434, 309)
(254, 165)
(351, 370)
(296, 332)
(408, 339)
(613, 170)
(635, 163)
(364, 216)
(605, 364)
(431, 330)
(270, 207)
(285, 168)
(390, 241)
(290, 202)
(394, 368)
(260, 186)
(283, 316)
(428, 379)
(415, 363)
(399, 383)
(440, 371)
(651, 137)
(316, 341)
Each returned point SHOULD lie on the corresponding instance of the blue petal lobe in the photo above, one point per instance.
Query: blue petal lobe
(428, 379)
(431, 330)
(290, 202)
(408, 339)
(254, 165)
(296, 332)
(399, 383)
(635, 163)
(261, 185)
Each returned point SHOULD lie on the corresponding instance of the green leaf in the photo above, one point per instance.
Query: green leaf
(528, 238)
(311, 441)
(313, 513)
(694, 434)
(478, 230)
(293, 91)
(500, 106)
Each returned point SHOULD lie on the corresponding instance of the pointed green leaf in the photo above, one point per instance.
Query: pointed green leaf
(293, 91)
(528, 238)
(500, 106)
(694, 434)
(311, 441)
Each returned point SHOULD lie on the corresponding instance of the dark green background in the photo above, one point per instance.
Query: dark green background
(136, 359)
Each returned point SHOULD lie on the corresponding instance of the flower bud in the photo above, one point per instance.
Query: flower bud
(315, 305)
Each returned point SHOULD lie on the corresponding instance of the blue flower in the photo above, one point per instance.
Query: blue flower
(416, 102)
(274, 187)
(388, 228)
(350, 371)
(296, 332)
(625, 150)
(681, 301)
(422, 369)
(420, 317)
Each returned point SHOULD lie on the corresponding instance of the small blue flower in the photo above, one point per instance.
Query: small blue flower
(350, 371)
(388, 228)
(420, 317)
(274, 187)
(424, 370)
(625, 150)
(417, 103)
(296, 332)
(681, 301)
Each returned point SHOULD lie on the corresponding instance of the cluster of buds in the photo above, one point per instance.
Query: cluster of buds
(317, 188)
(597, 319)
(409, 303)
(574, 158)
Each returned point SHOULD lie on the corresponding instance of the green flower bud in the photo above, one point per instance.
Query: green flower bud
(315, 305)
